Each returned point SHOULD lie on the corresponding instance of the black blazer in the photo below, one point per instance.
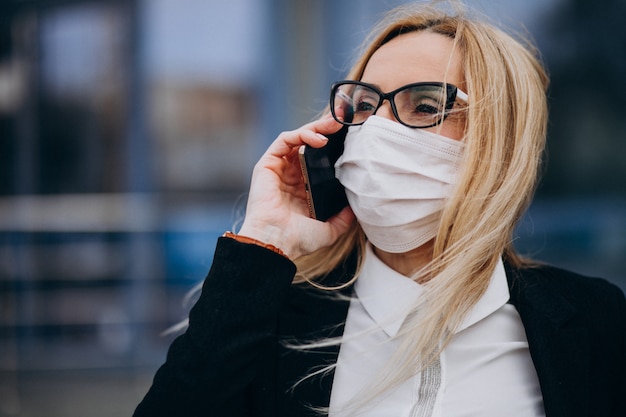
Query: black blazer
(232, 360)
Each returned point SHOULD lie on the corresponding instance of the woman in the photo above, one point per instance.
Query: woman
(411, 301)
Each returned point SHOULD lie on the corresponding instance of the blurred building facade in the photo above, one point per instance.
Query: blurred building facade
(128, 132)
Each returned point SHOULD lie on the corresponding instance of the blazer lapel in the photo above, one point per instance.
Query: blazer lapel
(558, 344)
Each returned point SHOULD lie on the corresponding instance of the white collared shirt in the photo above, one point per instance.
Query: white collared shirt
(485, 371)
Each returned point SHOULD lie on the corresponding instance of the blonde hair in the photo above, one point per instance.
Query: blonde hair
(505, 137)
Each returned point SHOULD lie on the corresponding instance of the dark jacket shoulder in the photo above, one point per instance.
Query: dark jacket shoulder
(576, 330)
(545, 282)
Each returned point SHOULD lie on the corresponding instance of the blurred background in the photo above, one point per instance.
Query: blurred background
(128, 132)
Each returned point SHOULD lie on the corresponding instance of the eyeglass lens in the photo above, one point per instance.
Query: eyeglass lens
(415, 105)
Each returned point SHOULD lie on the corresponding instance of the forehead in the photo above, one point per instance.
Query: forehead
(414, 57)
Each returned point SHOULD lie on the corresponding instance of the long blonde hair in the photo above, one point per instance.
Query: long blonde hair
(505, 137)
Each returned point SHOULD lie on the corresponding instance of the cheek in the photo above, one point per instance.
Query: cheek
(453, 127)
(457, 125)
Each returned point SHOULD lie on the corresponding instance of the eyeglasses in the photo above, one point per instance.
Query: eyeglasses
(415, 105)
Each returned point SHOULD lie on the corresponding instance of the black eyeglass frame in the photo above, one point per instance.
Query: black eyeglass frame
(452, 91)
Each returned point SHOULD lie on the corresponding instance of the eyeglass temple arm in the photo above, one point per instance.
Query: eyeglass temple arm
(461, 95)
(346, 97)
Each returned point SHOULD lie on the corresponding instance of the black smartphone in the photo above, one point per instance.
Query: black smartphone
(325, 194)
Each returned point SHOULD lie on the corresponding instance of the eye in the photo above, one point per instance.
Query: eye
(423, 104)
(365, 101)
(364, 106)
(426, 109)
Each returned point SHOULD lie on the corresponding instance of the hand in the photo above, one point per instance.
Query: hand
(277, 212)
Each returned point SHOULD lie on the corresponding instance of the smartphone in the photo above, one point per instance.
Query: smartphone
(325, 194)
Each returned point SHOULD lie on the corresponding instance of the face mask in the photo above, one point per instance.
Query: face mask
(397, 180)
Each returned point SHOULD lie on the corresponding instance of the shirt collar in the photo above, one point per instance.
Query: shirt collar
(496, 295)
(388, 296)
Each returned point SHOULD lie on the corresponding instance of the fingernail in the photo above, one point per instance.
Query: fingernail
(322, 137)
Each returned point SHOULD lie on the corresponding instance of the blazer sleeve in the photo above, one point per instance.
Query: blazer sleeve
(210, 369)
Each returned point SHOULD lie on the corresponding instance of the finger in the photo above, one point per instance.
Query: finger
(311, 134)
(325, 125)
(286, 142)
(340, 113)
(341, 222)
(324, 234)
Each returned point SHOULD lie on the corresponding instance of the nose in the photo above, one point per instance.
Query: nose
(385, 111)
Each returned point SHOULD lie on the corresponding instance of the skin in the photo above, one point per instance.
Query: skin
(431, 58)
(277, 212)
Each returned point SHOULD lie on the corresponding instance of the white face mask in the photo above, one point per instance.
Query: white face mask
(397, 180)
